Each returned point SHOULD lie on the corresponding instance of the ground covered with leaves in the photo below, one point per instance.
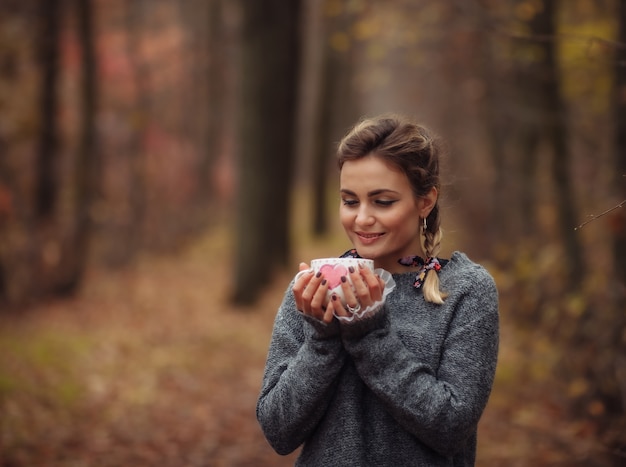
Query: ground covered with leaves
(151, 366)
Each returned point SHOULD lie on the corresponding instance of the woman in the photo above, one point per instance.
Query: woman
(401, 375)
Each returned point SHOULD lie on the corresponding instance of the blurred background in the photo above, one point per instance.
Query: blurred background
(154, 153)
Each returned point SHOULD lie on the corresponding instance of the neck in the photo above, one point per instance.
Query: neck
(408, 263)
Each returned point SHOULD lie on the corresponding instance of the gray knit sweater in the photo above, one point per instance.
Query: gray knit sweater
(403, 387)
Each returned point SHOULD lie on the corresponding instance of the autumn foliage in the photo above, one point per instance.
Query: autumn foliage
(121, 184)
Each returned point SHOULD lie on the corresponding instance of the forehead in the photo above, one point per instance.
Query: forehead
(372, 173)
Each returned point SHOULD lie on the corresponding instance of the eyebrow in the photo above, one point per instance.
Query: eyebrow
(372, 193)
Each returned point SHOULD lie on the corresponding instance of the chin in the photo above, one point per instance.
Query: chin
(367, 252)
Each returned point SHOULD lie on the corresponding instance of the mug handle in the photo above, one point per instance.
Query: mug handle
(300, 273)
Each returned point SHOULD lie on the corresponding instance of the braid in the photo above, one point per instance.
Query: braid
(432, 245)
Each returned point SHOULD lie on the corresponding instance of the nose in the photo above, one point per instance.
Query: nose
(364, 216)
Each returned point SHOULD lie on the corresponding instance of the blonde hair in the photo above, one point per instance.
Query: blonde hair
(432, 246)
(414, 150)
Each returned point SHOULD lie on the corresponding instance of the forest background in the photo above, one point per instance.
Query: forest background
(153, 154)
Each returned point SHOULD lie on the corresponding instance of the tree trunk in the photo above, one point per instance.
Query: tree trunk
(216, 70)
(6, 212)
(618, 324)
(530, 78)
(85, 182)
(267, 118)
(556, 133)
(620, 151)
(127, 233)
(322, 130)
(498, 132)
(337, 111)
(47, 180)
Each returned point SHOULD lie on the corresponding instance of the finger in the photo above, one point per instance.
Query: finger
(303, 275)
(318, 309)
(361, 290)
(298, 288)
(348, 292)
(375, 285)
(329, 313)
(309, 292)
(381, 284)
(338, 307)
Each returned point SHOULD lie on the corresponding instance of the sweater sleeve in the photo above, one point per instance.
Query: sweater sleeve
(440, 406)
(304, 359)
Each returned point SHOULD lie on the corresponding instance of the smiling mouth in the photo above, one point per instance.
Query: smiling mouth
(368, 237)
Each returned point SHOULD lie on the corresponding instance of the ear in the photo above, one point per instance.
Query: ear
(427, 202)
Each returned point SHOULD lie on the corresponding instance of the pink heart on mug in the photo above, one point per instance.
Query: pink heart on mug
(333, 274)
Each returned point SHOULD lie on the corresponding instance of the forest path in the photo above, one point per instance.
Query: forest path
(151, 366)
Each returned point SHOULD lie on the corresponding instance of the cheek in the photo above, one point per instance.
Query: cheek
(344, 217)
(404, 224)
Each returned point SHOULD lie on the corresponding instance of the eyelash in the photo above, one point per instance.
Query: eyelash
(380, 202)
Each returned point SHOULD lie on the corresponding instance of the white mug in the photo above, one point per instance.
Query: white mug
(333, 269)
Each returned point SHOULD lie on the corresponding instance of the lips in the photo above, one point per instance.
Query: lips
(368, 238)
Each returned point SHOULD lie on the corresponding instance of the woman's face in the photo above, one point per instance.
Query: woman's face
(380, 213)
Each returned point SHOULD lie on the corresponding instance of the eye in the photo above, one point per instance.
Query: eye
(385, 202)
(349, 201)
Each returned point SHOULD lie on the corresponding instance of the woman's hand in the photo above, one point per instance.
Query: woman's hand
(366, 290)
(310, 292)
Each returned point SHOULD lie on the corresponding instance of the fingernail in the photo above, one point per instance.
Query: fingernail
(324, 282)
(351, 269)
(319, 274)
(343, 278)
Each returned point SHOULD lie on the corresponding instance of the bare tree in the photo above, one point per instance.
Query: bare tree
(125, 234)
(619, 247)
(75, 252)
(267, 119)
(619, 101)
(553, 117)
(47, 181)
(336, 110)
(531, 78)
(219, 44)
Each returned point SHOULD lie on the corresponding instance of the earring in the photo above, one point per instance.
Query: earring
(425, 225)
